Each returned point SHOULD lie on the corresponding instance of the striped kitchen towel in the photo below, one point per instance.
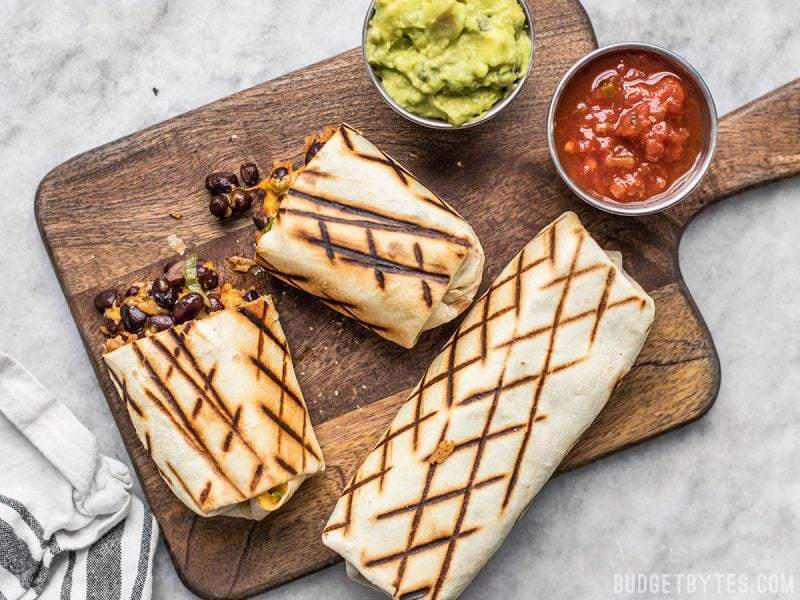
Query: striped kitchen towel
(69, 526)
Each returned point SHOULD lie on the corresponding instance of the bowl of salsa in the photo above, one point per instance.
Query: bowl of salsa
(632, 128)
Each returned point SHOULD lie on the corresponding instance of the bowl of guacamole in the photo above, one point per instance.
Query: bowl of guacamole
(448, 63)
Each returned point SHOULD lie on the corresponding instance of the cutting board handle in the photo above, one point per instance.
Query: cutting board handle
(757, 143)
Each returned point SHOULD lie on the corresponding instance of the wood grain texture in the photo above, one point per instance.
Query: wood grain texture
(104, 217)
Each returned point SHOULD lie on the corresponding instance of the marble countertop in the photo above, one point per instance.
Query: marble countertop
(719, 496)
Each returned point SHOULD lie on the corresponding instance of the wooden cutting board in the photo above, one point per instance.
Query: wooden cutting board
(104, 217)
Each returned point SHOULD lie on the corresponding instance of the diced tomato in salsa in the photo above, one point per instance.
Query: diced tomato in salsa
(629, 126)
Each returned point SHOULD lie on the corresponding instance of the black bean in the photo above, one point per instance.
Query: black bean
(239, 202)
(186, 308)
(133, 319)
(315, 147)
(260, 220)
(174, 272)
(279, 173)
(208, 278)
(163, 293)
(220, 206)
(221, 182)
(250, 295)
(110, 327)
(249, 198)
(132, 291)
(160, 322)
(214, 302)
(249, 173)
(105, 299)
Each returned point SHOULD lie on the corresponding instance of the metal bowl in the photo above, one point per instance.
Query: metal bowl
(436, 123)
(679, 190)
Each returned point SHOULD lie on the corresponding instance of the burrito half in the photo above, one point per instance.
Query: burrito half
(216, 403)
(358, 231)
(526, 373)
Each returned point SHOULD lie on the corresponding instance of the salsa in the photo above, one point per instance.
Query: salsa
(629, 126)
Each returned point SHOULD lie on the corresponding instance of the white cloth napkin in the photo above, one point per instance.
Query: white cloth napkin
(69, 526)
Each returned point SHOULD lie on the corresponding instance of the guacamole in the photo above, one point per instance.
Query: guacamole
(448, 59)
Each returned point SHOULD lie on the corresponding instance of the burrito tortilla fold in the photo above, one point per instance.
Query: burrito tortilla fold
(359, 232)
(526, 373)
(216, 404)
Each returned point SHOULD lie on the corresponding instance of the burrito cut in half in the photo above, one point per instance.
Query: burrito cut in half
(355, 229)
(526, 373)
(216, 404)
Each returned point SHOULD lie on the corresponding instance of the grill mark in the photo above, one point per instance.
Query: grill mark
(285, 466)
(289, 431)
(303, 435)
(348, 492)
(415, 520)
(180, 340)
(338, 305)
(540, 383)
(346, 137)
(379, 218)
(443, 497)
(491, 436)
(379, 225)
(601, 307)
(236, 417)
(218, 407)
(226, 445)
(426, 289)
(382, 560)
(467, 496)
(204, 494)
(439, 203)
(148, 444)
(281, 401)
(552, 236)
(187, 430)
(126, 397)
(277, 380)
(170, 370)
(256, 476)
(417, 594)
(184, 486)
(401, 173)
(426, 294)
(197, 406)
(418, 412)
(374, 252)
(414, 424)
(376, 262)
(578, 273)
(326, 240)
(317, 173)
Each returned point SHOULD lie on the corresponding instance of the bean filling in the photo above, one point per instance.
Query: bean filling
(187, 289)
(229, 199)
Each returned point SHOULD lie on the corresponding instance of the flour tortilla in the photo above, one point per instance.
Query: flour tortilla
(216, 404)
(363, 235)
(527, 372)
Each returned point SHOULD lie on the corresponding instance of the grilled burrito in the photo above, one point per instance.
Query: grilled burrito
(355, 229)
(216, 404)
(526, 373)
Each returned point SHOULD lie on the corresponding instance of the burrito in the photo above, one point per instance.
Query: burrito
(214, 399)
(355, 229)
(526, 373)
